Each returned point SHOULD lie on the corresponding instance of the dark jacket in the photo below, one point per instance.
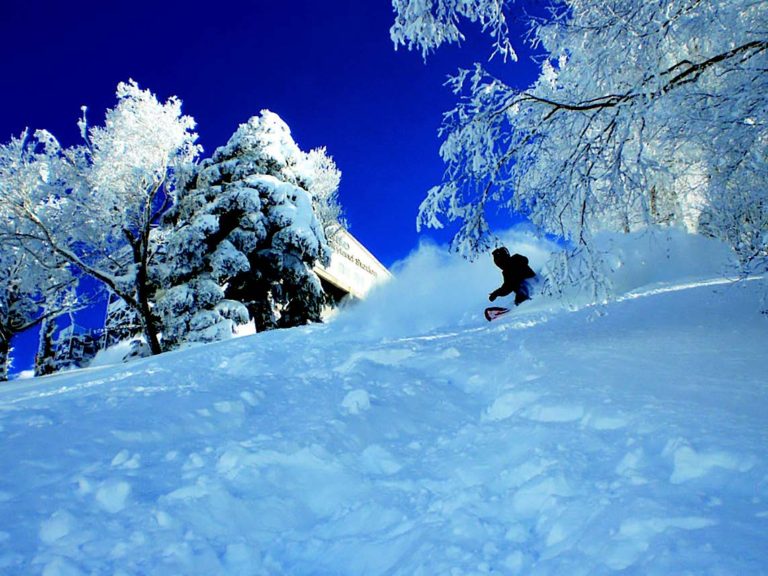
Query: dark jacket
(515, 271)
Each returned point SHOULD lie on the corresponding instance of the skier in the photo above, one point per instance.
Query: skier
(516, 272)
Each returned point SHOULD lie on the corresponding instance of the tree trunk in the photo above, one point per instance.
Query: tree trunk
(45, 362)
(147, 320)
(140, 248)
(4, 357)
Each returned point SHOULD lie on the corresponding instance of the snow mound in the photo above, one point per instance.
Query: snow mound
(662, 257)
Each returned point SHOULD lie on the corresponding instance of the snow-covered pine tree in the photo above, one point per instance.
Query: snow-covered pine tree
(123, 324)
(246, 236)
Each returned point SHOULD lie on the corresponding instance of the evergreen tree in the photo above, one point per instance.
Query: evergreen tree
(246, 236)
(121, 322)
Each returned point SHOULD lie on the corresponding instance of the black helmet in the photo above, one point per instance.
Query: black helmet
(501, 252)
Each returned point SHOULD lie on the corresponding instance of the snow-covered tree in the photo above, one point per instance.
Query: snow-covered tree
(102, 200)
(317, 173)
(644, 113)
(35, 284)
(45, 357)
(734, 206)
(30, 293)
(428, 24)
(121, 323)
(247, 236)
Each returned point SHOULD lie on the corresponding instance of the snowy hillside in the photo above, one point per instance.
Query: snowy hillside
(410, 437)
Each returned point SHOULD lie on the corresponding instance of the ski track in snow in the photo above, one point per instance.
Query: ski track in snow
(548, 442)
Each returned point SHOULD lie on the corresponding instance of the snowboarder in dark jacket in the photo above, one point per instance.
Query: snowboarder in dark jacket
(515, 271)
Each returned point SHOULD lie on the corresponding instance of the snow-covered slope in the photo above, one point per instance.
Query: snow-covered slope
(630, 438)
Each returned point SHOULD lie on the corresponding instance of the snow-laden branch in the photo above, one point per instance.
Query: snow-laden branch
(644, 114)
(95, 205)
(426, 25)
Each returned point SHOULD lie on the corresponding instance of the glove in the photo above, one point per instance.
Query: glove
(492, 297)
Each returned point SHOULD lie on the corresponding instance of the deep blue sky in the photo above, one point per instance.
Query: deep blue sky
(329, 69)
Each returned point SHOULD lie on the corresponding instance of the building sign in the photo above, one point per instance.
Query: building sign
(352, 268)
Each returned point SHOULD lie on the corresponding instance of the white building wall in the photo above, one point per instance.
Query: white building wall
(353, 268)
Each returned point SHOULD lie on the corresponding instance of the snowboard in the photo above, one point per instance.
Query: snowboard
(493, 312)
